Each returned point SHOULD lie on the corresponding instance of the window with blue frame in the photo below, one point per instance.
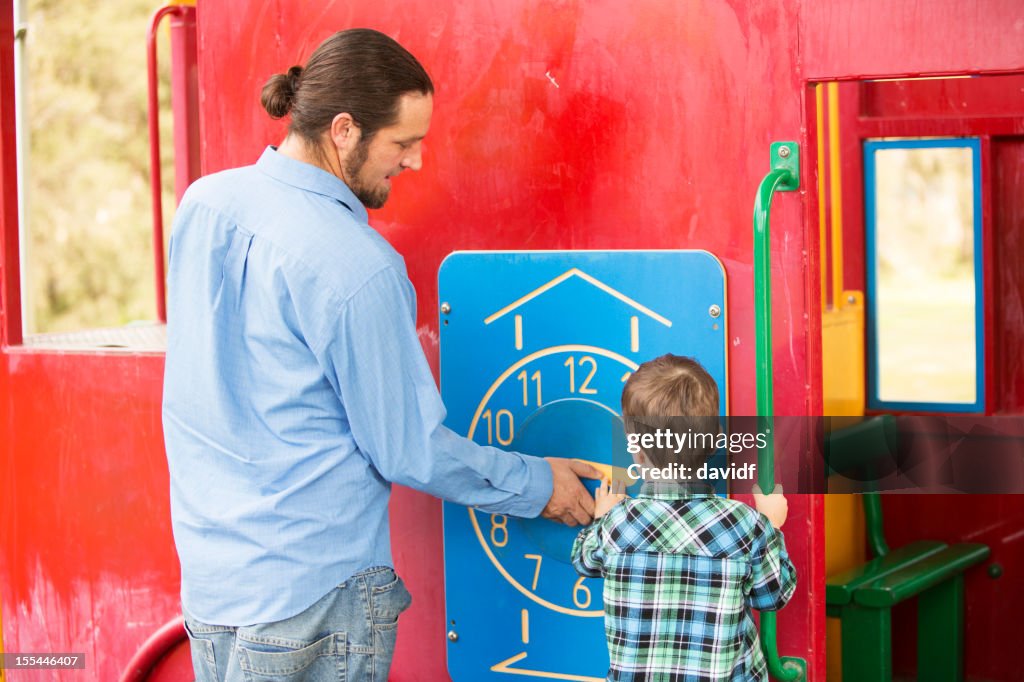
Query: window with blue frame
(924, 275)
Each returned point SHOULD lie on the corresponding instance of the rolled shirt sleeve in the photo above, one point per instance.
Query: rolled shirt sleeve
(373, 359)
(772, 579)
(588, 553)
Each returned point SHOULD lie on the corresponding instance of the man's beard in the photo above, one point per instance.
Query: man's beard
(371, 197)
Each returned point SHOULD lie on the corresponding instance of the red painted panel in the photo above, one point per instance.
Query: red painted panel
(87, 562)
(852, 160)
(566, 125)
(870, 38)
(1008, 219)
(959, 97)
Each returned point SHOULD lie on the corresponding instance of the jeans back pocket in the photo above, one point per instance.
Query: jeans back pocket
(321, 661)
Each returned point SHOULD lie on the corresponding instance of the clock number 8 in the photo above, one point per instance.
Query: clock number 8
(499, 528)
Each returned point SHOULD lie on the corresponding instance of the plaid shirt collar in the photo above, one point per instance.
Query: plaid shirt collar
(675, 490)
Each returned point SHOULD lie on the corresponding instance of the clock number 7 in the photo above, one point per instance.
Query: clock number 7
(536, 571)
(535, 377)
(585, 386)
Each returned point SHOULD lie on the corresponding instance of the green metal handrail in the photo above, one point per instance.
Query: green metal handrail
(783, 177)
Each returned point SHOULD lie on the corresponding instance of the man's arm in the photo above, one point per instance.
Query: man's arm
(373, 358)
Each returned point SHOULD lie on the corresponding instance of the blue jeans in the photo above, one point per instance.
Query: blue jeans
(347, 636)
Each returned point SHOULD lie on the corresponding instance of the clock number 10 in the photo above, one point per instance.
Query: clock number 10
(585, 386)
(500, 426)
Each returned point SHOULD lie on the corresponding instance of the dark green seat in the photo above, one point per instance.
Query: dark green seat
(839, 589)
(920, 576)
(863, 597)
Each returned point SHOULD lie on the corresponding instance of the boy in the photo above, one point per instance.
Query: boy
(682, 567)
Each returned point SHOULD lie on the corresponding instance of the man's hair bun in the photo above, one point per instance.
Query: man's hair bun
(279, 92)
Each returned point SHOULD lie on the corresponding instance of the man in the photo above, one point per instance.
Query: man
(296, 390)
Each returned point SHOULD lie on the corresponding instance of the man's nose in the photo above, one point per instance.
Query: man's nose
(414, 159)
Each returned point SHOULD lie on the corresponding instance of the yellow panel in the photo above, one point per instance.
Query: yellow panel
(842, 340)
(842, 351)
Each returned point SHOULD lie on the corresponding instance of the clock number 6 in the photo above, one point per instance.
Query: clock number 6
(579, 587)
(585, 386)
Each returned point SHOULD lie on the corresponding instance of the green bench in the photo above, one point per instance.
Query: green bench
(862, 598)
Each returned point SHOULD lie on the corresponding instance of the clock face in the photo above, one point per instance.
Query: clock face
(535, 348)
(554, 402)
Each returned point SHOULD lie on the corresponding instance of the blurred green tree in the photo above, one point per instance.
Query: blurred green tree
(90, 261)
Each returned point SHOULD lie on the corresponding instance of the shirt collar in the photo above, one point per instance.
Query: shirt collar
(675, 490)
(310, 178)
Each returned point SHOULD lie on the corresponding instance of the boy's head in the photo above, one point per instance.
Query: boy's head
(671, 394)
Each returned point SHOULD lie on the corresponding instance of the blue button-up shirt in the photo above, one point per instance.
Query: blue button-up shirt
(296, 392)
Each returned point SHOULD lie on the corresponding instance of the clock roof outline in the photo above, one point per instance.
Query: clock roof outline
(568, 274)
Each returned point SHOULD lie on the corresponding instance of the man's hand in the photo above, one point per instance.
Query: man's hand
(774, 506)
(570, 502)
(607, 496)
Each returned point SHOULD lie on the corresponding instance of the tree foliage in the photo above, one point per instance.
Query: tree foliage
(90, 261)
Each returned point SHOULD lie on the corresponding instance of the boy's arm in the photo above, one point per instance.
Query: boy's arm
(773, 576)
(588, 551)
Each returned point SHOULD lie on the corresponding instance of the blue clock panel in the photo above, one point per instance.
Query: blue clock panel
(535, 349)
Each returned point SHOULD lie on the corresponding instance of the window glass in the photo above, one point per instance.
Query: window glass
(924, 274)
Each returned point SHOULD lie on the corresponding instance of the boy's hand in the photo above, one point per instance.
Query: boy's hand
(774, 506)
(606, 497)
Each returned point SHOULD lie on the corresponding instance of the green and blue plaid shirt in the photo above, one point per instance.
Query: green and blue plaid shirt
(682, 570)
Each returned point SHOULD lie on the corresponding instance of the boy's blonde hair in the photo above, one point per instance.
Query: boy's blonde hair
(675, 393)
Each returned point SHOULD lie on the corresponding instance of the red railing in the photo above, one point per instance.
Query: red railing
(154, 650)
(184, 102)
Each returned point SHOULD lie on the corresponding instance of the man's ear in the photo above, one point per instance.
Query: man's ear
(345, 133)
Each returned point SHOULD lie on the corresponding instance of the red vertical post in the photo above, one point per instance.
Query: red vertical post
(185, 98)
(184, 103)
(10, 282)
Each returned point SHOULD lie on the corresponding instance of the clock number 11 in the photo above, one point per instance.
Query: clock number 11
(535, 377)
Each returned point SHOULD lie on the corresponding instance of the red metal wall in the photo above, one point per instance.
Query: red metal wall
(558, 124)
(564, 125)
(879, 38)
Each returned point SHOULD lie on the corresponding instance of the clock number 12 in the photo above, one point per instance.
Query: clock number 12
(585, 386)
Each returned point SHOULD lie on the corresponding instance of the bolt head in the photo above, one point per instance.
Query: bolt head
(453, 636)
(784, 152)
(714, 311)
(445, 308)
